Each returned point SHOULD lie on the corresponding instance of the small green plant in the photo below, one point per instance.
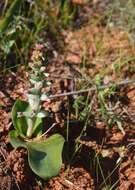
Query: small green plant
(107, 109)
(44, 155)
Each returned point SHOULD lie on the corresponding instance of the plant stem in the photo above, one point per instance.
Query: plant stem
(30, 127)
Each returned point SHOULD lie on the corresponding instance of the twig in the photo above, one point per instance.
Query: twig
(94, 88)
(68, 184)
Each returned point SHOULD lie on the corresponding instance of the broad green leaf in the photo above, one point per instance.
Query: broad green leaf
(20, 123)
(45, 156)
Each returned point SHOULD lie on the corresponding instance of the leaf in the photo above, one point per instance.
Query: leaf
(37, 128)
(45, 156)
(20, 123)
(15, 140)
